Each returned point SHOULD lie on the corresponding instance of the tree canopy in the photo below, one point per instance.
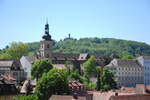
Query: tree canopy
(53, 82)
(89, 67)
(40, 67)
(106, 80)
(106, 46)
(15, 51)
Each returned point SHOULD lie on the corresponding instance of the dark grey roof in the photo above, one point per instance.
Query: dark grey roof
(31, 59)
(128, 63)
(57, 56)
(6, 63)
(146, 57)
(124, 63)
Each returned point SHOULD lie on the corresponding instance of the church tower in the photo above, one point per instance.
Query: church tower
(46, 44)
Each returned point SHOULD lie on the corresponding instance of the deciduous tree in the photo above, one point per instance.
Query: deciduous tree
(53, 82)
(39, 67)
(89, 67)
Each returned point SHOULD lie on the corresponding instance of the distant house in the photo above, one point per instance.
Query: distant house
(69, 37)
(128, 72)
(12, 68)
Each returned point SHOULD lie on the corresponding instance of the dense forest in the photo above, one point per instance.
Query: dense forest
(106, 46)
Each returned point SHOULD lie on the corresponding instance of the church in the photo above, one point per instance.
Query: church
(58, 59)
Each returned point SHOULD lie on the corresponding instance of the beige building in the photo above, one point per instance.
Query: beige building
(128, 72)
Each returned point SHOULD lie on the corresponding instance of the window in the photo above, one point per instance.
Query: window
(15, 73)
(47, 45)
(47, 56)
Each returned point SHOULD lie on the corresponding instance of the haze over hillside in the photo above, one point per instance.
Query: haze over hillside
(106, 46)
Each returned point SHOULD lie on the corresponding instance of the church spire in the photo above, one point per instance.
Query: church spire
(46, 36)
(46, 20)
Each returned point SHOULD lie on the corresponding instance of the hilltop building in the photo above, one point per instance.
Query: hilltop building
(69, 37)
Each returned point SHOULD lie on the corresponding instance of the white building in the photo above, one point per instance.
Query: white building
(26, 62)
(145, 62)
(127, 72)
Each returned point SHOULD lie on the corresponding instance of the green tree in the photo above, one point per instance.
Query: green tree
(70, 66)
(39, 67)
(5, 56)
(127, 57)
(89, 67)
(53, 82)
(75, 76)
(106, 80)
(15, 51)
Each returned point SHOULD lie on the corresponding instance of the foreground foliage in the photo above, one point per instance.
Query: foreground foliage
(53, 82)
(106, 80)
(40, 67)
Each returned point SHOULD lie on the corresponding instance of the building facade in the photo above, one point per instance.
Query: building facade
(145, 63)
(12, 68)
(128, 72)
(26, 62)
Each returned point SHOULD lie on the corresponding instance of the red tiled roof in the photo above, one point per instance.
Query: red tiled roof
(8, 77)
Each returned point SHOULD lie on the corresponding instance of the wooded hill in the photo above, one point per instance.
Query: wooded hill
(106, 46)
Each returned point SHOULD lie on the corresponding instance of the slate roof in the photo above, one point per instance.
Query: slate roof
(57, 56)
(128, 63)
(146, 57)
(7, 63)
(31, 59)
(101, 59)
(124, 63)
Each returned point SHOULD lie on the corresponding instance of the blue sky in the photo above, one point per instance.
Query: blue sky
(24, 20)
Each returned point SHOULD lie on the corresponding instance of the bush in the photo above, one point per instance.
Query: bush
(90, 86)
(26, 97)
